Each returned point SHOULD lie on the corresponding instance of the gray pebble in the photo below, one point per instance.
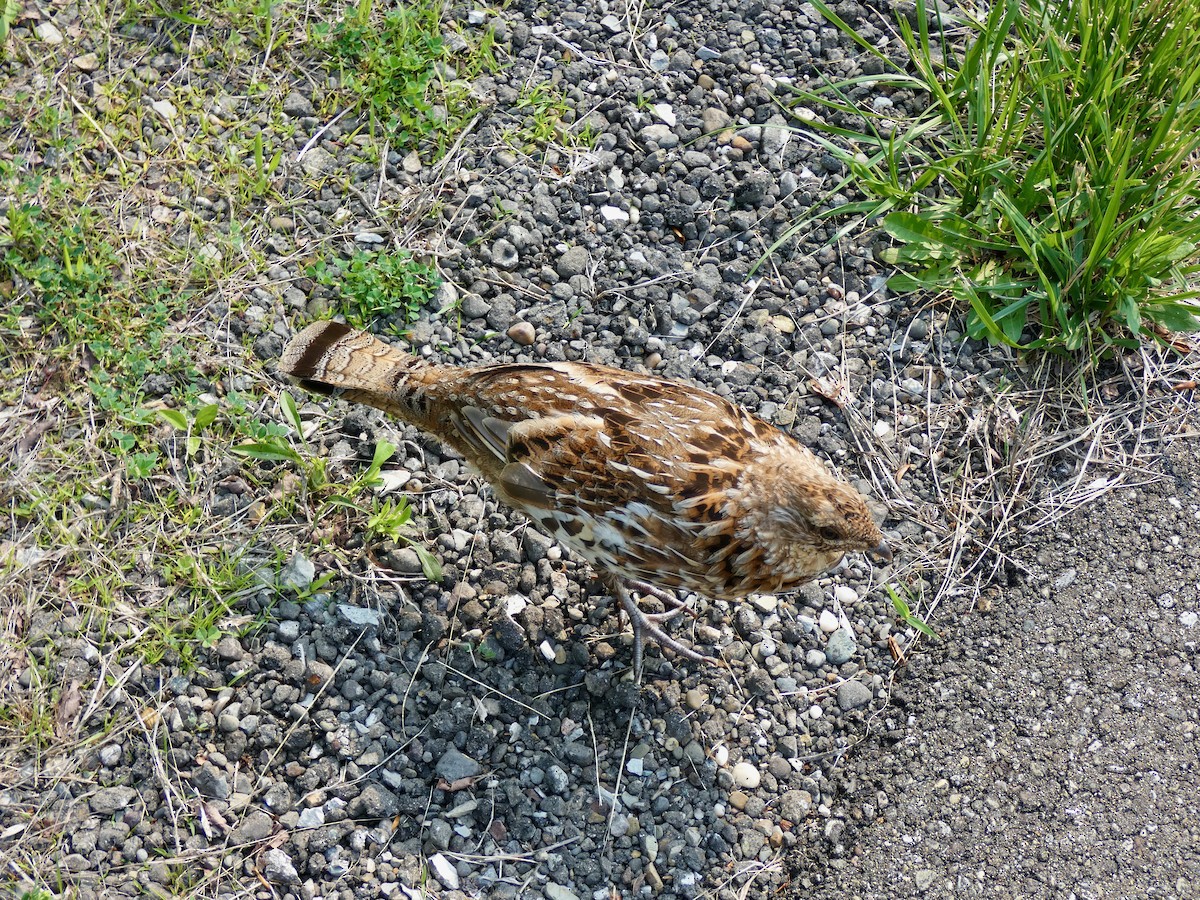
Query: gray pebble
(455, 764)
(852, 695)
(375, 802)
(573, 262)
(210, 782)
(107, 801)
(257, 826)
(504, 254)
(297, 105)
(279, 868)
(298, 573)
(841, 647)
(475, 307)
(358, 616)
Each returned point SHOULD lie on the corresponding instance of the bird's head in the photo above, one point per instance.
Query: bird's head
(803, 517)
(829, 516)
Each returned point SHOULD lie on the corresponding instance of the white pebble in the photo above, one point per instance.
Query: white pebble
(1188, 619)
(614, 214)
(635, 766)
(720, 755)
(514, 604)
(746, 776)
(814, 712)
(547, 650)
(845, 594)
(828, 622)
(445, 871)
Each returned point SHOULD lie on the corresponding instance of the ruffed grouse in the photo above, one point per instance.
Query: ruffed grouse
(654, 482)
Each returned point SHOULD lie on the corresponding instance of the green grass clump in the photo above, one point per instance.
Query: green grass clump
(379, 285)
(405, 73)
(66, 278)
(1052, 183)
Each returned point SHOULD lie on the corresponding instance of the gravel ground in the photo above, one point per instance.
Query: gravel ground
(481, 736)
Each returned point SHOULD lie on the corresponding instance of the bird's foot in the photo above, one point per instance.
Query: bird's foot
(645, 623)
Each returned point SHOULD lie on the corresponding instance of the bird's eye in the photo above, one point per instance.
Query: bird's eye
(828, 533)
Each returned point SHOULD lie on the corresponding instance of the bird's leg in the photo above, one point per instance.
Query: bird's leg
(667, 597)
(645, 623)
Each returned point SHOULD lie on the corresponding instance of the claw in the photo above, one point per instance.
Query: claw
(645, 623)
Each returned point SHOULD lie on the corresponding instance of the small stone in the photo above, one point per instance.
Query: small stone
(107, 801)
(555, 891)
(404, 560)
(764, 603)
(210, 782)
(665, 114)
(923, 878)
(661, 135)
(48, 33)
(614, 214)
(165, 108)
(445, 871)
(618, 825)
(827, 622)
(746, 775)
(318, 162)
(635, 767)
(412, 162)
(110, 755)
(455, 765)
(229, 648)
(841, 647)
(86, 62)
(278, 867)
(852, 695)
(358, 616)
(845, 594)
(440, 834)
(695, 698)
(368, 238)
(795, 805)
(522, 333)
(659, 60)
(504, 254)
(714, 119)
(475, 307)
(313, 817)
(573, 262)
(298, 573)
(374, 802)
(296, 105)
(255, 827)
(612, 24)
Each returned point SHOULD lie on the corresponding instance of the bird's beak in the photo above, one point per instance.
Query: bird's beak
(881, 553)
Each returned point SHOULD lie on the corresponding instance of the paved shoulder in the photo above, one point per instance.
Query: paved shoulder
(1052, 749)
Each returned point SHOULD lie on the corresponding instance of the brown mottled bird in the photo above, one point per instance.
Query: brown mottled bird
(654, 482)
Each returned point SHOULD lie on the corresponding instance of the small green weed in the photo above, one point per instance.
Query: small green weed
(386, 518)
(1052, 184)
(402, 69)
(379, 285)
(906, 615)
(65, 277)
(544, 107)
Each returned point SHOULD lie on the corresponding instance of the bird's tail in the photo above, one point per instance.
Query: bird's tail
(332, 358)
